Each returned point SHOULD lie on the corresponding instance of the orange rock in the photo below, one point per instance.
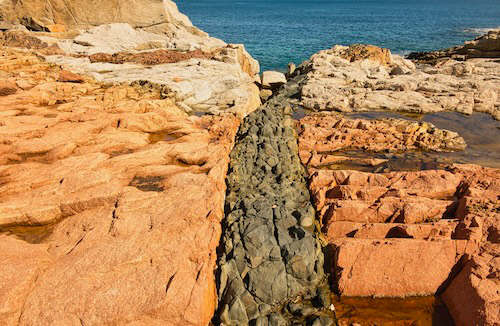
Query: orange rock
(393, 267)
(69, 77)
(111, 199)
(473, 297)
(57, 28)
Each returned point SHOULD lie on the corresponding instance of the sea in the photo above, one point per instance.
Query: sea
(277, 32)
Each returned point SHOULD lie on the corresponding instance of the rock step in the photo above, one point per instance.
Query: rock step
(439, 230)
(394, 267)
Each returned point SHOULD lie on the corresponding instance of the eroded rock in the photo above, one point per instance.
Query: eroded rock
(338, 82)
(271, 262)
(112, 189)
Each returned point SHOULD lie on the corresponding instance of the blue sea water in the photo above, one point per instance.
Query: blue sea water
(276, 32)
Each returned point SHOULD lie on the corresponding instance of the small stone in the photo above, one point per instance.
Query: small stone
(265, 94)
(273, 79)
(332, 307)
(69, 77)
(306, 221)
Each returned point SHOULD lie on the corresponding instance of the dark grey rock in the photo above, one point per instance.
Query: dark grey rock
(269, 254)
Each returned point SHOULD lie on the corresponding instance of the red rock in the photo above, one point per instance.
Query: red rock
(110, 203)
(69, 77)
(393, 267)
(473, 297)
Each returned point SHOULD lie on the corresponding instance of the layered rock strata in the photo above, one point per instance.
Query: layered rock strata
(271, 264)
(360, 78)
(111, 200)
(405, 233)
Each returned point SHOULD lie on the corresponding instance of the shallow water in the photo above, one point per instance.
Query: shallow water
(479, 130)
(414, 311)
(277, 32)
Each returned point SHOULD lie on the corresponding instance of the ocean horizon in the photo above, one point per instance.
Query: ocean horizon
(282, 31)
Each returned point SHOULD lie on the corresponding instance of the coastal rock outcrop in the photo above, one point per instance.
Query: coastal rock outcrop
(377, 80)
(404, 233)
(43, 15)
(484, 46)
(111, 201)
(271, 263)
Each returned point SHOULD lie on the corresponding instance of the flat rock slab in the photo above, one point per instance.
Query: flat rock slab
(393, 267)
(111, 198)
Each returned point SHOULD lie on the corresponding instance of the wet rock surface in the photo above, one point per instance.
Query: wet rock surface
(407, 232)
(271, 263)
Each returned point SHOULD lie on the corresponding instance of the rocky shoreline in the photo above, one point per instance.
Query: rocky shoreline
(150, 176)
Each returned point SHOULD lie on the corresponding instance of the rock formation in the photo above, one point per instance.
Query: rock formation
(484, 46)
(405, 233)
(271, 265)
(111, 201)
(349, 79)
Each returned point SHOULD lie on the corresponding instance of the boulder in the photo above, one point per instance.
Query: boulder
(393, 267)
(273, 79)
(473, 297)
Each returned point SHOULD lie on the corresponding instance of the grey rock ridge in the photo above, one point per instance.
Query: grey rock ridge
(271, 263)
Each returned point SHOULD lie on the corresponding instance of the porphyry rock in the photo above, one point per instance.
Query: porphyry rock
(113, 190)
(270, 256)
(69, 77)
(473, 296)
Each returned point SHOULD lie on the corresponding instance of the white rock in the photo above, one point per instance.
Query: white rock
(272, 79)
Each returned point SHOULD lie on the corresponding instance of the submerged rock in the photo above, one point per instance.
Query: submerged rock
(271, 263)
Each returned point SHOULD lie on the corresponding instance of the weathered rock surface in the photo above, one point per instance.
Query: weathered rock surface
(273, 79)
(405, 233)
(484, 46)
(338, 81)
(323, 138)
(222, 83)
(43, 15)
(473, 297)
(271, 264)
(111, 199)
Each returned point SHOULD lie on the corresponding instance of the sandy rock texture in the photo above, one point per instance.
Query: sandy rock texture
(360, 78)
(271, 263)
(45, 15)
(111, 198)
(405, 233)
